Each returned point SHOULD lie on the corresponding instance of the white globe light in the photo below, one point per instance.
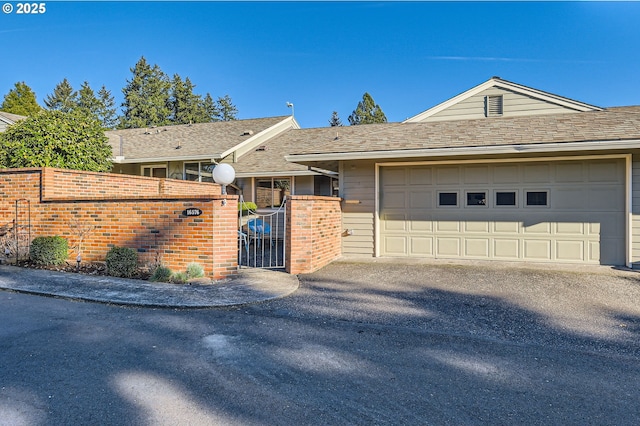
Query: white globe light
(224, 174)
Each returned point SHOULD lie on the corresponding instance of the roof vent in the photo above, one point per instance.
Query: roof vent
(261, 148)
(247, 133)
(493, 106)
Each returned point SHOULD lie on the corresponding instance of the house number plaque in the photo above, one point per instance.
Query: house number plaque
(191, 212)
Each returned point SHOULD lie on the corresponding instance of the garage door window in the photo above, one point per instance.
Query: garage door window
(537, 198)
(505, 198)
(476, 198)
(447, 199)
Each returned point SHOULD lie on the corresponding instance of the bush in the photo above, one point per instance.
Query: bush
(195, 270)
(179, 278)
(122, 262)
(49, 250)
(161, 274)
(247, 207)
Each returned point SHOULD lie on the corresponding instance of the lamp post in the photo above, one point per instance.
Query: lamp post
(224, 174)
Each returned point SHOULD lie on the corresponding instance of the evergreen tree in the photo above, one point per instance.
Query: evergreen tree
(335, 121)
(63, 98)
(106, 111)
(367, 112)
(146, 97)
(186, 106)
(20, 100)
(227, 111)
(87, 100)
(72, 140)
(209, 109)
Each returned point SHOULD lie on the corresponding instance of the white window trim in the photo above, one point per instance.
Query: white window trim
(524, 198)
(438, 205)
(476, 206)
(495, 199)
(151, 167)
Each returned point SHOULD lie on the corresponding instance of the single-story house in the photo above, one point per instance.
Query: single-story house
(191, 151)
(500, 172)
(7, 119)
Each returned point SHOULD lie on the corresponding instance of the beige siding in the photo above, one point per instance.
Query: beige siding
(514, 104)
(357, 189)
(635, 212)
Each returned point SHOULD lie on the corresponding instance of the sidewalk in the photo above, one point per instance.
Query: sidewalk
(250, 286)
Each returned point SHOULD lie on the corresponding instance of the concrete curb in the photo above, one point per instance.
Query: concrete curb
(250, 286)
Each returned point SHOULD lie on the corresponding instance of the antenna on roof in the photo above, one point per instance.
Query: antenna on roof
(290, 105)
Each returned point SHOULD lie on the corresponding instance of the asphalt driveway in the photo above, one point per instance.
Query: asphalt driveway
(595, 307)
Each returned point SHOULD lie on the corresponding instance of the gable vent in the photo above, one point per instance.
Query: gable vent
(493, 106)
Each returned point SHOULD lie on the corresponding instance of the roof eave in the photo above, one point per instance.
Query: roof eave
(602, 145)
(124, 160)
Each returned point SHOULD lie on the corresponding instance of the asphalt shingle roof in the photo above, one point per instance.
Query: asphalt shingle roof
(193, 140)
(619, 123)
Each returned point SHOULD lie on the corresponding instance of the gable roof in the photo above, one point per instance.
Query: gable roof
(201, 141)
(606, 129)
(497, 82)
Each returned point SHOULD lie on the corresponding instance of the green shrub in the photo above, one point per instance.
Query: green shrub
(247, 207)
(49, 250)
(195, 270)
(179, 278)
(161, 274)
(122, 262)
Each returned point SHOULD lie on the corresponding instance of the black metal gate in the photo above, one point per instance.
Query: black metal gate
(15, 236)
(262, 236)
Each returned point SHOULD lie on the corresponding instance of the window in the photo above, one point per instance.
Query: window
(476, 198)
(199, 172)
(157, 171)
(505, 198)
(537, 198)
(271, 192)
(447, 199)
(493, 106)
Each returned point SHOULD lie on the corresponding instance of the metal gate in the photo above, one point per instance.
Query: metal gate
(15, 236)
(262, 236)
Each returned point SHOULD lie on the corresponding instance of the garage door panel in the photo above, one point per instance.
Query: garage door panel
(420, 225)
(395, 222)
(506, 248)
(570, 199)
(476, 226)
(448, 246)
(507, 227)
(393, 176)
(537, 228)
(420, 176)
(447, 226)
(537, 249)
(421, 199)
(476, 247)
(584, 219)
(569, 228)
(421, 246)
(395, 246)
(571, 250)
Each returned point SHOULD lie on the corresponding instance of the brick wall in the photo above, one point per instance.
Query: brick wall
(130, 211)
(314, 229)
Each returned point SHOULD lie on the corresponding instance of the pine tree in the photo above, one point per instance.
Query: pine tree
(63, 98)
(209, 109)
(146, 97)
(106, 111)
(335, 121)
(367, 112)
(20, 100)
(87, 101)
(187, 107)
(227, 111)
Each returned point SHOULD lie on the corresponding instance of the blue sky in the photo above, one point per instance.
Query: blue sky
(323, 56)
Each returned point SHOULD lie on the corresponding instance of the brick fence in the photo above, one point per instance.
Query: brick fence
(314, 232)
(126, 211)
(147, 214)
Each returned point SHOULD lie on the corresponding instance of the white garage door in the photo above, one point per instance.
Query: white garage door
(565, 211)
